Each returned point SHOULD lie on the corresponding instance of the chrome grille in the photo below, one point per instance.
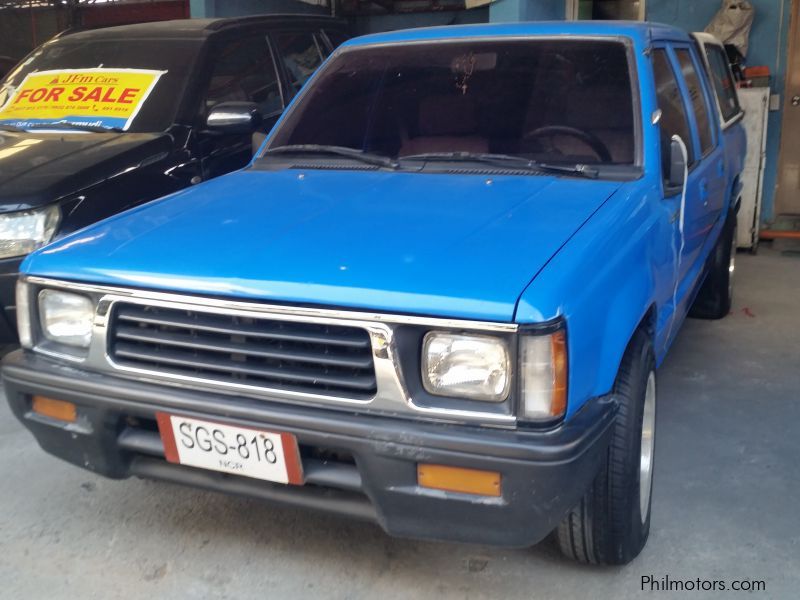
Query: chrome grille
(267, 353)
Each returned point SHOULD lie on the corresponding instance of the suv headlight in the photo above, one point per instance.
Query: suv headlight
(543, 376)
(23, 232)
(66, 318)
(474, 367)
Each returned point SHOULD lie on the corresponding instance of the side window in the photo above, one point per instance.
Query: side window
(673, 113)
(300, 54)
(336, 37)
(701, 109)
(244, 71)
(723, 82)
(324, 44)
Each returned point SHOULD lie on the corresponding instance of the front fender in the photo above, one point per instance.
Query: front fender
(605, 282)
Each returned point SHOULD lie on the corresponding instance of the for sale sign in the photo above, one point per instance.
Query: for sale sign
(89, 97)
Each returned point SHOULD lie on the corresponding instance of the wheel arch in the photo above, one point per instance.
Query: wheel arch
(646, 325)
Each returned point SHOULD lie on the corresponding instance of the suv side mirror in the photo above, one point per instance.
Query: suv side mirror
(676, 178)
(234, 118)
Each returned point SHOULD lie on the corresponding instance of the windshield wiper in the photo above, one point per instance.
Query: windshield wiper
(73, 127)
(507, 161)
(360, 155)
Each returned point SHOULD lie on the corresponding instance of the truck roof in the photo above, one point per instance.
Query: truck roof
(644, 32)
(196, 28)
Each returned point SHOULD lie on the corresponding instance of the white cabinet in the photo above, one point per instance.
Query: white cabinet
(755, 102)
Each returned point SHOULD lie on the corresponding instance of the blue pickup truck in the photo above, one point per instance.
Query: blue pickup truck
(436, 299)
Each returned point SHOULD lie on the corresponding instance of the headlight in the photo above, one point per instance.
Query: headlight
(66, 318)
(543, 375)
(468, 366)
(23, 232)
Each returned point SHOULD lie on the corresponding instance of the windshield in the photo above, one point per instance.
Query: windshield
(549, 101)
(131, 85)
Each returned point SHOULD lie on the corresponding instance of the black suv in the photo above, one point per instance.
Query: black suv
(219, 86)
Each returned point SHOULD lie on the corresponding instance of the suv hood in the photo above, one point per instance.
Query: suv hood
(448, 245)
(39, 168)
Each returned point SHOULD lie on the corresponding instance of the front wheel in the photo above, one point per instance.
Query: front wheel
(611, 524)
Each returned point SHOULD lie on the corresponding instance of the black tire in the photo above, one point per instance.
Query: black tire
(607, 526)
(716, 295)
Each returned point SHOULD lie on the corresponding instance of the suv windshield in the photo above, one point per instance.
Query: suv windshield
(550, 101)
(133, 85)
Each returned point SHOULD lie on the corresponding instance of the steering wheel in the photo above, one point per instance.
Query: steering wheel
(590, 139)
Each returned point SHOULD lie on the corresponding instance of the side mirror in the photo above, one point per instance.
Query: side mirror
(677, 163)
(234, 118)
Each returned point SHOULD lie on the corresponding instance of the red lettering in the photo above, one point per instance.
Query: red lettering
(22, 94)
(77, 94)
(124, 97)
(38, 94)
(54, 93)
(108, 97)
(94, 94)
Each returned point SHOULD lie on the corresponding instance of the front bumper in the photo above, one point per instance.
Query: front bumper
(358, 465)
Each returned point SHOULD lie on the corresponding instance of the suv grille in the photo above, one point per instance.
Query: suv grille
(269, 353)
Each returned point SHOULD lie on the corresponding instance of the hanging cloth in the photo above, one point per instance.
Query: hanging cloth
(731, 25)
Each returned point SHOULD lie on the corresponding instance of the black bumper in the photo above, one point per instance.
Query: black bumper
(356, 465)
(9, 271)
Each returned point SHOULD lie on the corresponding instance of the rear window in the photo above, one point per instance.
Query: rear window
(301, 55)
(336, 37)
(724, 85)
(702, 111)
(559, 101)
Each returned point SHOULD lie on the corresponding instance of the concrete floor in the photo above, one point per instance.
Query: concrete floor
(727, 482)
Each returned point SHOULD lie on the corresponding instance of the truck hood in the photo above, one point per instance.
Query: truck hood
(38, 168)
(445, 245)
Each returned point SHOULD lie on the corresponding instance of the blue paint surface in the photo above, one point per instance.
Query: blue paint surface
(428, 244)
(90, 121)
(638, 32)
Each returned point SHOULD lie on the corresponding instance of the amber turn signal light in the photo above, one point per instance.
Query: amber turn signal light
(55, 409)
(455, 479)
(558, 343)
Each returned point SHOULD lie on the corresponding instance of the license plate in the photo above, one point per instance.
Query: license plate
(230, 449)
